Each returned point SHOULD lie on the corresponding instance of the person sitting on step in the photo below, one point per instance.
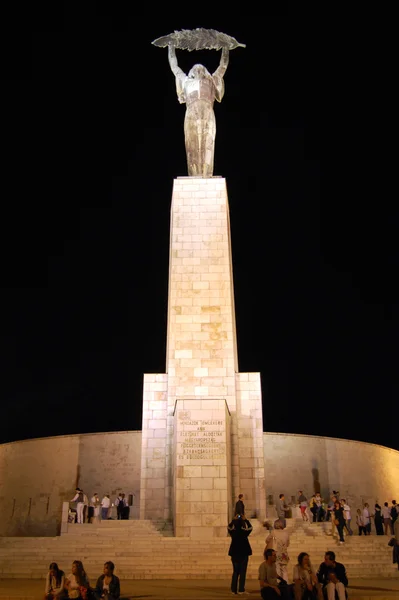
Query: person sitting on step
(55, 583)
(306, 585)
(108, 585)
(272, 586)
(332, 576)
(77, 583)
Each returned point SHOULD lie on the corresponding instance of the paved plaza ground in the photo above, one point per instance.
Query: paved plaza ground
(194, 589)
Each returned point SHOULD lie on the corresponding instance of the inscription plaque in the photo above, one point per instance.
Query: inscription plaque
(200, 439)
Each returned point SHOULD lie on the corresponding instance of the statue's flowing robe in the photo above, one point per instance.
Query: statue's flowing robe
(199, 95)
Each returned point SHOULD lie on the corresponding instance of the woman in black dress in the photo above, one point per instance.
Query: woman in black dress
(378, 521)
(339, 520)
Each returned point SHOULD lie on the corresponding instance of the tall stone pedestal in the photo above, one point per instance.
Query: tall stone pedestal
(202, 367)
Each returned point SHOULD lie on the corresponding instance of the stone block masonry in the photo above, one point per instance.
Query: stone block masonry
(201, 360)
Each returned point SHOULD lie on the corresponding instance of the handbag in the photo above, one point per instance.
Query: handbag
(391, 542)
(336, 522)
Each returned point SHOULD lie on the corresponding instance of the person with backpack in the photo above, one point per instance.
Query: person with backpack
(79, 498)
(119, 506)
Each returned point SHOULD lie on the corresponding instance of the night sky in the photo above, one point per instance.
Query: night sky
(92, 138)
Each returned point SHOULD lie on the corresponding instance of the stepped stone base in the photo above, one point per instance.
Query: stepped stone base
(140, 551)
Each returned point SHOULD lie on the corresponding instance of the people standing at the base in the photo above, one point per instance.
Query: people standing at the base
(272, 587)
(122, 507)
(330, 513)
(240, 550)
(347, 515)
(386, 515)
(105, 506)
(281, 507)
(313, 507)
(119, 506)
(240, 506)
(378, 521)
(85, 507)
(332, 577)
(316, 508)
(360, 522)
(366, 519)
(339, 520)
(90, 511)
(303, 505)
(96, 505)
(79, 499)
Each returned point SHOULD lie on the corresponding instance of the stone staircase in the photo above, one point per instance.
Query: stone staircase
(147, 550)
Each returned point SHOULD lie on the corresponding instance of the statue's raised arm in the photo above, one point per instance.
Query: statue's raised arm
(177, 72)
(219, 73)
(224, 63)
(199, 89)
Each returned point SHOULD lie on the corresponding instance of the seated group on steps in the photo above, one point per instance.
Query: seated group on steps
(76, 585)
(329, 582)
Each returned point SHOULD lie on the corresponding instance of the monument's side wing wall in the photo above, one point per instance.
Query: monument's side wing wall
(36, 476)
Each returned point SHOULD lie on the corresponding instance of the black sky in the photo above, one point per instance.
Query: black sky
(92, 140)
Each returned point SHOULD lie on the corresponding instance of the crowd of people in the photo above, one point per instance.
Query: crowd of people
(95, 509)
(338, 511)
(76, 585)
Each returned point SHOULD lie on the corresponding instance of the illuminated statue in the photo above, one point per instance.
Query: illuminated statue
(198, 90)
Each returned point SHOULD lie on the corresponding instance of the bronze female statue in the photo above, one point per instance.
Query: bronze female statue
(198, 90)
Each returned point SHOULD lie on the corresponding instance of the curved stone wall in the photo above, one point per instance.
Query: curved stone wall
(36, 476)
(361, 472)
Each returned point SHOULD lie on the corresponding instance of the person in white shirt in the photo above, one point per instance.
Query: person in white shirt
(105, 506)
(366, 519)
(359, 522)
(76, 580)
(79, 499)
(386, 515)
(347, 515)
